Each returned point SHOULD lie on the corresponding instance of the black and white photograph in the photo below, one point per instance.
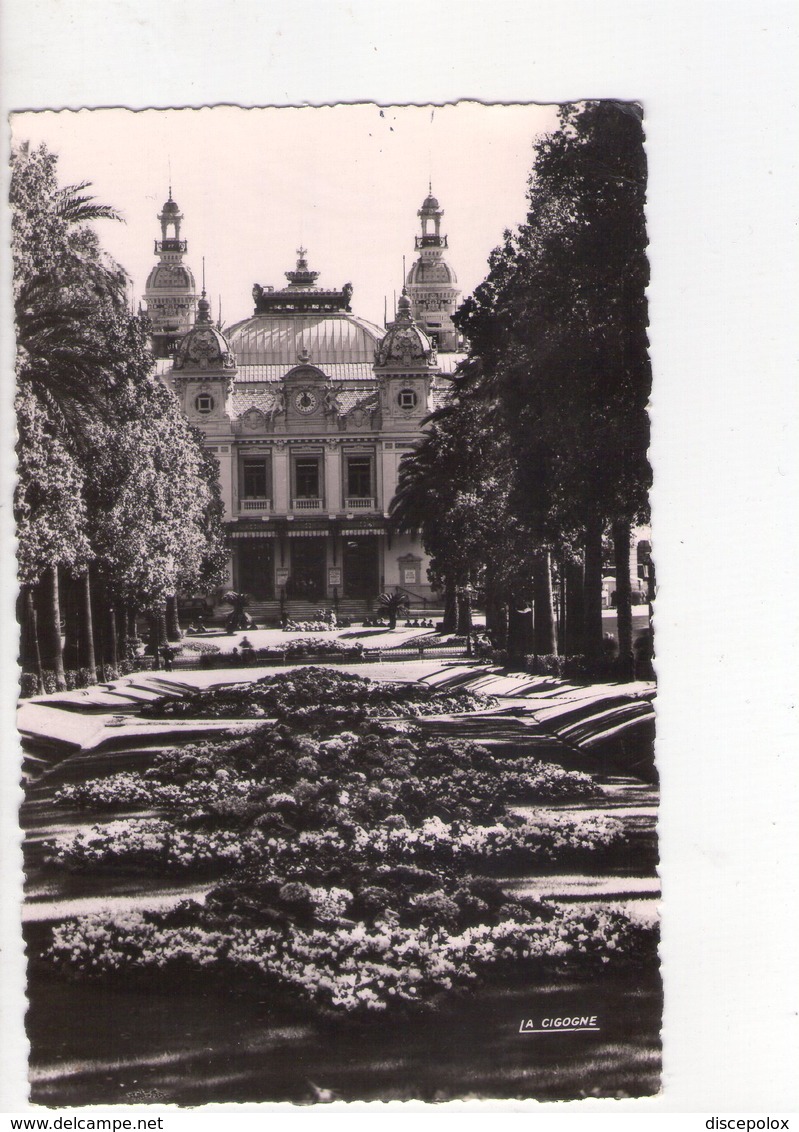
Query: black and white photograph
(335, 604)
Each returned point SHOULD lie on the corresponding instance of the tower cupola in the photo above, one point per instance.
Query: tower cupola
(204, 369)
(170, 291)
(432, 285)
(430, 215)
(405, 364)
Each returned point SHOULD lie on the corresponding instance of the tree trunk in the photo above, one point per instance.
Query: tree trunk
(624, 609)
(89, 657)
(592, 603)
(492, 602)
(544, 637)
(157, 634)
(31, 654)
(575, 612)
(520, 631)
(450, 607)
(500, 628)
(112, 637)
(131, 632)
(172, 623)
(464, 613)
(26, 646)
(73, 627)
(53, 657)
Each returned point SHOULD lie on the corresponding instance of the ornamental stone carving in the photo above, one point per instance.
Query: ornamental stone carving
(253, 419)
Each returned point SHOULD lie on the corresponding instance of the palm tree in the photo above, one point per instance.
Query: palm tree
(238, 619)
(66, 316)
(392, 605)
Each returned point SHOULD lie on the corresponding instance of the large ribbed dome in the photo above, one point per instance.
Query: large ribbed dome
(286, 339)
(431, 271)
(166, 276)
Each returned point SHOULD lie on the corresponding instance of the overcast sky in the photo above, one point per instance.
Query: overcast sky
(345, 181)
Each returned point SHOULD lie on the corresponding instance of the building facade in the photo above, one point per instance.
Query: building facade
(309, 410)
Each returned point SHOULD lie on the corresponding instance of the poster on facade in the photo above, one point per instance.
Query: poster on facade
(335, 604)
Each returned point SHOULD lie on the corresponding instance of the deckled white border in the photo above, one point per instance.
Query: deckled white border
(716, 81)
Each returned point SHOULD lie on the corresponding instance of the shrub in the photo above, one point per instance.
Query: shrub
(575, 667)
(28, 685)
(549, 664)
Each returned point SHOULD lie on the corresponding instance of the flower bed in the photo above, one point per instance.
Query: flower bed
(316, 695)
(204, 648)
(357, 969)
(352, 867)
(294, 800)
(166, 846)
(300, 648)
(385, 771)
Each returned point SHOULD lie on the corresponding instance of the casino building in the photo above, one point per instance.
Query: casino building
(309, 409)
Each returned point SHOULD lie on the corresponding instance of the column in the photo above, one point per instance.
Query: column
(281, 471)
(333, 497)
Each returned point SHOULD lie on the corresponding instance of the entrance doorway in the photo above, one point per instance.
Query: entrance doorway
(361, 567)
(307, 577)
(256, 572)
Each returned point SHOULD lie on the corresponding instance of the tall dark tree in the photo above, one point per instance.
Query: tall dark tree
(453, 489)
(559, 326)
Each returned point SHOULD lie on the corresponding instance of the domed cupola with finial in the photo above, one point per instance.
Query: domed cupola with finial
(405, 362)
(431, 282)
(204, 367)
(170, 292)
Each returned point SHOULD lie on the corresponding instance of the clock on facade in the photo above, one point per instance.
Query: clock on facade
(305, 401)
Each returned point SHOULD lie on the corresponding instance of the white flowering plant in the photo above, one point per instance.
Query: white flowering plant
(356, 969)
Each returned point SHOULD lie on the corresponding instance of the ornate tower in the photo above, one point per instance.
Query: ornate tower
(405, 364)
(170, 293)
(431, 283)
(203, 372)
